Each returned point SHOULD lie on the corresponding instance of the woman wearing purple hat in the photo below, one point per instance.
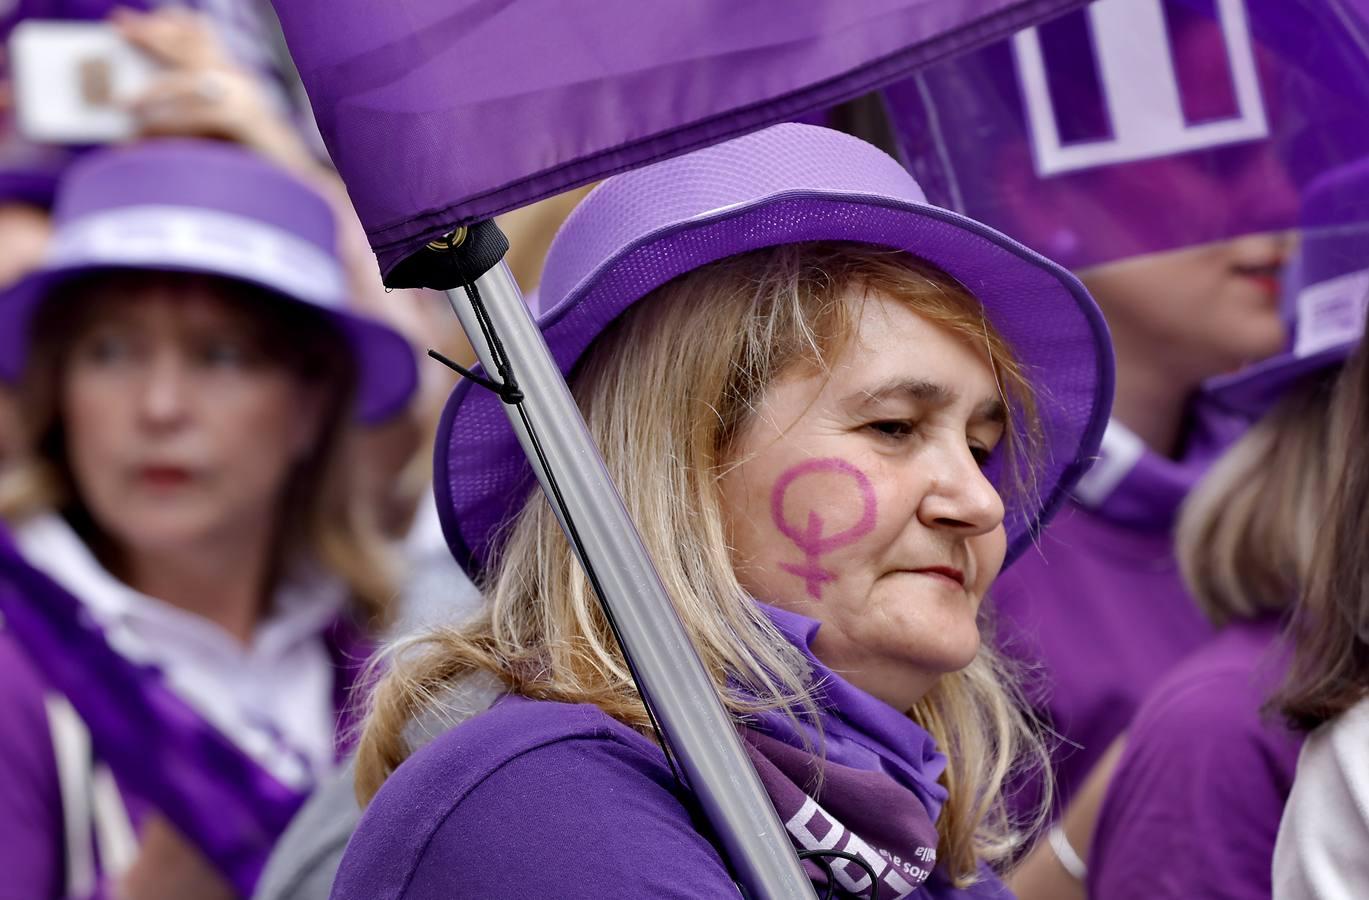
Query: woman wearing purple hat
(1194, 805)
(191, 579)
(834, 411)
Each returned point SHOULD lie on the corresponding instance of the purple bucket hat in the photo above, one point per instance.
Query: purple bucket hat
(211, 208)
(787, 184)
(1325, 297)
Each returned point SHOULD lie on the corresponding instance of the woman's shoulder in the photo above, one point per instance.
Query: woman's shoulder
(532, 798)
(1320, 850)
(1200, 754)
(1332, 767)
(1218, 692)
(513, 726)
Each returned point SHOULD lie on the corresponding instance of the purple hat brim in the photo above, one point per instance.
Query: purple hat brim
(387, 373)
(1255, 390)
(481, 476)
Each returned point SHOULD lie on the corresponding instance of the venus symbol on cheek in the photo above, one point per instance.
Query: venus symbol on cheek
(810, 538)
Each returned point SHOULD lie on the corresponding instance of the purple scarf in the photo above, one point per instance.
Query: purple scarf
(159, 748)
(872, 789)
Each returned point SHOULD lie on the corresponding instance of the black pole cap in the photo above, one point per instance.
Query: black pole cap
(457, 258)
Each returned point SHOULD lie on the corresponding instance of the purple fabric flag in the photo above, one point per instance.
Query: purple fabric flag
(1135, 126)
(440, 114)
(160, 749)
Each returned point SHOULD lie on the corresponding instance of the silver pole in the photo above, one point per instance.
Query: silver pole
(680, 691)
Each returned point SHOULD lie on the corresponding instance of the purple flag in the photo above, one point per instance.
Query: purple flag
(445, 113)
(1134, 126)
(157, 746)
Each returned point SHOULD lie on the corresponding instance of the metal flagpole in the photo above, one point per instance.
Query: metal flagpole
(674, 683)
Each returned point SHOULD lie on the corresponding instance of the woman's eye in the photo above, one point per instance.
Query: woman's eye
(981, 455)
(106, 349)
(223, 353)
(895, 428)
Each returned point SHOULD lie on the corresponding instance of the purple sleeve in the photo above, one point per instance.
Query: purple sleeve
(988, 887)
(1194, 808)
(31, 850)
(578, 818)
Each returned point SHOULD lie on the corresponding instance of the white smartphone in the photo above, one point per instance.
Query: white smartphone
(72, 81)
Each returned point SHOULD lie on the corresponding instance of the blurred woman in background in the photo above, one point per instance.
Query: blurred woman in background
(1194, 806)
(1193, 793)
(192, 578)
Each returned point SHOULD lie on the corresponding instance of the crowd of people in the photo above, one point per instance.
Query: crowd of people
(1018, 579)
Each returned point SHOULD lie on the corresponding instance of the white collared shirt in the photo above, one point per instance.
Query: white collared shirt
(1321, 850)
(274, 696)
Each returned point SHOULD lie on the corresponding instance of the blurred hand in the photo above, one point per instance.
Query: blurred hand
(202, 91)
(24, 233)
(169, 868)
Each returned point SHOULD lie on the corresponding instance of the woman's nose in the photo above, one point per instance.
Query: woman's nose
(960, 497)
(164, 393)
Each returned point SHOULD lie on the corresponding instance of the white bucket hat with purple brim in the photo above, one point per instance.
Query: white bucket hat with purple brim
(1325, 298)
(212, 208)
(787, 184)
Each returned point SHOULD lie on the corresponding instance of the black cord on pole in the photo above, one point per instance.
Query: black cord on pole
(821, 859)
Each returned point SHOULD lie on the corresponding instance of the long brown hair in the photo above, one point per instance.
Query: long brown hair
(1330, 629)
(1247, 534)
(664, 391)
(320, 518)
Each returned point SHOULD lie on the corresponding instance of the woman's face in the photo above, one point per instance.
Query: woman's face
(180, 434)
(1199, 311)
(857, 498)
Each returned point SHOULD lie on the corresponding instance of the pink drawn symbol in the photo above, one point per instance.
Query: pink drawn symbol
(810, 539)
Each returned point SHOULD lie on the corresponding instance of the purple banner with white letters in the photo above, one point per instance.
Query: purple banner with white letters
(1135, 126)
(445, 112)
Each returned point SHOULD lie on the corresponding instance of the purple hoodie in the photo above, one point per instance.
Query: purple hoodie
(1194, 807)
(541, 799)
(1099, 612)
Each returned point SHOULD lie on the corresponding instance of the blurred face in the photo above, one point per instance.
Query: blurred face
(1196, 312)
(178, 430)
(857, 498)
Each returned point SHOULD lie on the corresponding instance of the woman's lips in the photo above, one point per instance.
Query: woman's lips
(164, 476)
(1269, 276)
(946, 573)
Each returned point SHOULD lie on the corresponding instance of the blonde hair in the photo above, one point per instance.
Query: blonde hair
(1247, 534)
(322, 520)
(664, 411)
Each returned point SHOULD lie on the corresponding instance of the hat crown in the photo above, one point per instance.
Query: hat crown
(789, 159)
(198, 175)
(1328, 282)
(214, 209)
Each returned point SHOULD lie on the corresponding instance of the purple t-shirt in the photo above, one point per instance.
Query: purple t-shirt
(1099, 612)
(1194, 807)
(541, 799)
